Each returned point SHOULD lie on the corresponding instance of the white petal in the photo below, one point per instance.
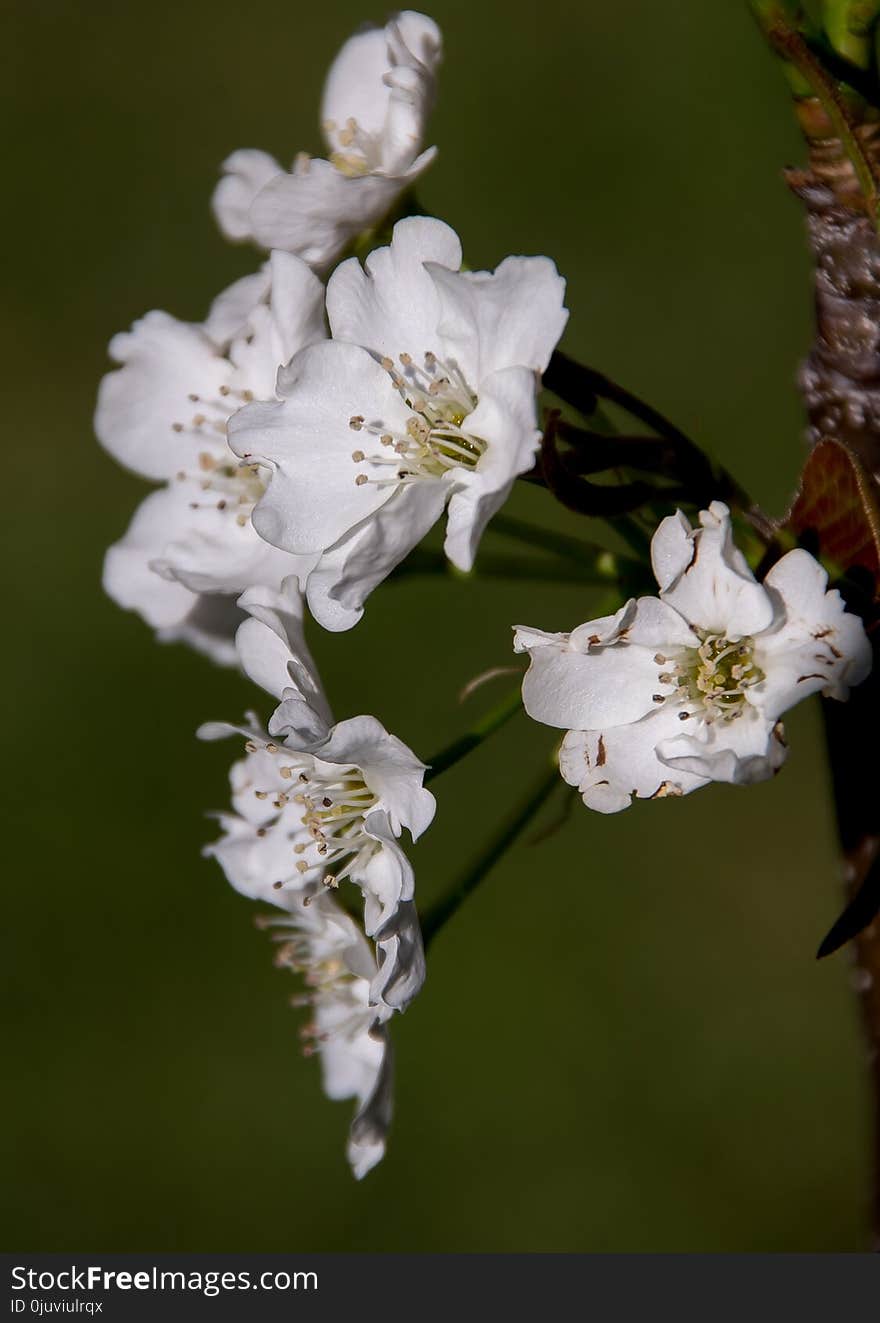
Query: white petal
(415, 50)
(586, 691)
(401, 956)
(128, 574)
(816, 646)
(297, 304)
(386, 881)
(390, 769)
(347, 573)
(717, 591)
(209, 629)
(672, 549)
(253, 863)
(604, 629)
(391, 306)
(510, 317)
(273, 650)
(610, 765)
(245, 173)
(506, 419)
(316, 211)
(203, 546)
(313, 499)
(164, 362)
(274, 332)
(354, 89)
(379, 91)
(655, 624)
(415, 36)
(740, 752)
(366, 1144)
(525, 638)
(229, 313)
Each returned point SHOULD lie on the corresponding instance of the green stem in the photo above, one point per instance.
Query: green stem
(443, 909)
(494, 719)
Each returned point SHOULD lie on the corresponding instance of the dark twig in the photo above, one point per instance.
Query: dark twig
(587, 498)
(682, 459)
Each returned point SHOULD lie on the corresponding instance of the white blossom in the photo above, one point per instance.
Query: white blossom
(425, 397)
(316, 803)
(675, 691)
(191, 547)
(377, 97)
(319, 941)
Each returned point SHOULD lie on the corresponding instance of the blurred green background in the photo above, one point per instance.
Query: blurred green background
(624, 1042)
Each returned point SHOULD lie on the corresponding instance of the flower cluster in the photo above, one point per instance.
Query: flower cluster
(304, 438)
(315, 803)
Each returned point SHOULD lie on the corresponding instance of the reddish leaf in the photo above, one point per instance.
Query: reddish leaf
(837, 500)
